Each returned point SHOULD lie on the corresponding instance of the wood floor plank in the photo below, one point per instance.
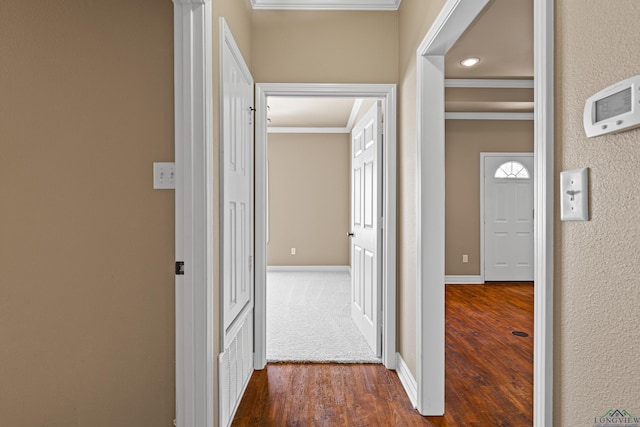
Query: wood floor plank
(489, 374)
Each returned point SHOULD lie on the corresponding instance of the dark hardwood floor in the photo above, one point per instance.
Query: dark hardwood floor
(489, 371)
(489, 374)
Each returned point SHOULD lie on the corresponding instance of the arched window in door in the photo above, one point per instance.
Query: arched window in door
(512, 169)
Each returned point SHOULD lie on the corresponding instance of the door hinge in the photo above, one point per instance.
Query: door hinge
(250, 263)
(179, 268)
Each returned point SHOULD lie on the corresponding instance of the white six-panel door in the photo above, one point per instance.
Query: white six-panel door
(237, 195)
(235, 362)
(508, 217)
(366, 149)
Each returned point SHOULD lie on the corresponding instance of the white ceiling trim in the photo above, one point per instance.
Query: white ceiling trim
(281, 129)
(489, 116)
(326, 4)
(490, 83)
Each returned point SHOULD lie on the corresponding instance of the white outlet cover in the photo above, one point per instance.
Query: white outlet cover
(574, 193)
(164, 175)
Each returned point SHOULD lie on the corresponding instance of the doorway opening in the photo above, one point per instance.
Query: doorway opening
(386, 229)
(489, 129)
(454, 20)
(310, 199)
(484, 306)
(488, 215)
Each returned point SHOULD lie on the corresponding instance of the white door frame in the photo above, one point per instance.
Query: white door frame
(453, 20)
(388, 93)
(482, 201)
(195, 216)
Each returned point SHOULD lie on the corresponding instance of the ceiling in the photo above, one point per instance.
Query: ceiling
(502, 37)
(309, 112)
(327, 4)
(312, 114)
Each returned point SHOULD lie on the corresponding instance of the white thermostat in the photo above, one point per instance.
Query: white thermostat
(613, 109)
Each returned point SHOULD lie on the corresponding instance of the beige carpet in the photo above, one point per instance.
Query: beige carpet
(309, 319)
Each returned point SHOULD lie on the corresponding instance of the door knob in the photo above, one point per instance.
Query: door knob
(351, 234)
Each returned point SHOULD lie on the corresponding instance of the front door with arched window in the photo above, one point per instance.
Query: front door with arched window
(508, 216)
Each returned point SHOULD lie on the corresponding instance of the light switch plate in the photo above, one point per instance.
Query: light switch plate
(164, 175)
(574, 193)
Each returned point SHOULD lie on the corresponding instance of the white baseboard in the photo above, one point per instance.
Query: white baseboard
(463, 280)
(338, 268)
(407, 380)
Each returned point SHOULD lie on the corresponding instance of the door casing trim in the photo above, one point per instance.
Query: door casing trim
(387, 92)
(196, 397)
(453, 20)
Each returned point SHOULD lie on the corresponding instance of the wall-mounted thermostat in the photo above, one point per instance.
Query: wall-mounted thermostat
(614, 109)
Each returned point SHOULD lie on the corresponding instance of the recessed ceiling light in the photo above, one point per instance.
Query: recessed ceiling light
(469, 62)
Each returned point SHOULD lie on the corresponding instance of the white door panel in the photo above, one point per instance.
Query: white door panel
(368, 310)
(237, 194)
(357, 194)
(366, 139)
(369, 196)
(356, 276)
(508, 218)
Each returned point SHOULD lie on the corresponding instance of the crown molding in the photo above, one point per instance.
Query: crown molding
(326, 4)
(490, 83)
(191, 2)
(281, 129)
(488, 116)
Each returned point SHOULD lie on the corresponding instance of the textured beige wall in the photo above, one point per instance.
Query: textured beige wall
(309, 208)
(321, 47)
(87, 106)
(597, 271)
(465, 140)
(86, 244)
(415, 18)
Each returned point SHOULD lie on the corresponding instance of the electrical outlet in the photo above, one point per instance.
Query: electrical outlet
(164, 175)
(465, 258)
(293, 251)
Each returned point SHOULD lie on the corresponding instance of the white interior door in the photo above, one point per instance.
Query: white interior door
(366, 156)
(235, 362)
(237, 194)
(508, 217)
